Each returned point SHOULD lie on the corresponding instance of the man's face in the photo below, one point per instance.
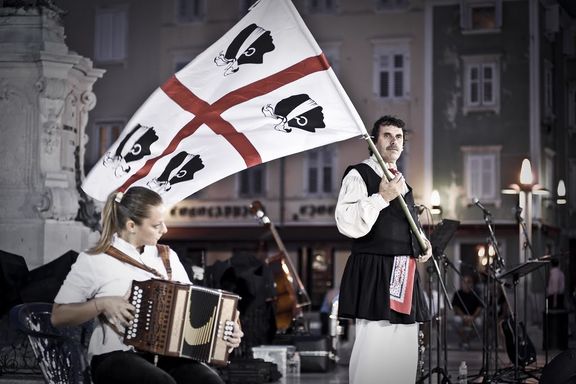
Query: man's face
(390, 143)
(467, 284)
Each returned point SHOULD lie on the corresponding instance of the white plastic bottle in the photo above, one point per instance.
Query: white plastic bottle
(463, 373)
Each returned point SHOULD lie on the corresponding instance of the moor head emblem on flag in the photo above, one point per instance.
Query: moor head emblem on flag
(248, 47)
(181, 167)
(298, 111)
(133, 147)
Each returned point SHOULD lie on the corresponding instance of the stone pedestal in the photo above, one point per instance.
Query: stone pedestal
(45, 96)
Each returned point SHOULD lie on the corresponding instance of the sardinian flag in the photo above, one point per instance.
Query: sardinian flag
(263, 91)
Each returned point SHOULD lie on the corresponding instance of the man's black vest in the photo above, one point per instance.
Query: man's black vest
(391, 234)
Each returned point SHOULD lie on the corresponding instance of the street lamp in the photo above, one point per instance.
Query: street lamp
(525, 189)
(561, 193)
(435, 201)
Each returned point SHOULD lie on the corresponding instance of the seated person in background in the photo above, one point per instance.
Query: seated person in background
(556, 285)
(467, 311)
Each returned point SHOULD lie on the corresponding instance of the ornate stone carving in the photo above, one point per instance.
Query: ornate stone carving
(50, 114)
(7, 91)
(31, 4)
(88, 213)
(88, 99)
(18, 139)
(52, 88)
(58, 204)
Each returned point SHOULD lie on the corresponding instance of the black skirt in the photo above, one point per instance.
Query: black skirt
(365, 291)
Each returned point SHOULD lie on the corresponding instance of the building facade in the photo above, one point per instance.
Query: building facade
(501, 90)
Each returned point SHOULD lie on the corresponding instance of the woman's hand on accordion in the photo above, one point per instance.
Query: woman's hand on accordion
(117, 310)
(233, 333)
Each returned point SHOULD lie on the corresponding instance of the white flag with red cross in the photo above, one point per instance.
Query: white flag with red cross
(263, 91)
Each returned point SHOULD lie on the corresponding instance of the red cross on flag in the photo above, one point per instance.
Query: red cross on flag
(261, 92)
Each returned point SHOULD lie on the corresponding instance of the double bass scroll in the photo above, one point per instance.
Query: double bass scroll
(291, 296)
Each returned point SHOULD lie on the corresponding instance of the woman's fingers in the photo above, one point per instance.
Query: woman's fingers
(232, 334)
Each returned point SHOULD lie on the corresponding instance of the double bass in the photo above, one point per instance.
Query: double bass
(291, 296)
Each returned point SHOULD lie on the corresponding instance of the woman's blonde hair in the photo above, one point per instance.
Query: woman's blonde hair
(134, 204)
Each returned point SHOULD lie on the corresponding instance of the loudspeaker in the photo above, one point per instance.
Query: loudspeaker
(561, 369)
(44, 282)
(13, 275)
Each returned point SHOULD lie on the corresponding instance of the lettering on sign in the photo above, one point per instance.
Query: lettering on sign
(212, 212)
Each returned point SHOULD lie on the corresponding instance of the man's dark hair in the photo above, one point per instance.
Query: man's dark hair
(384, 121)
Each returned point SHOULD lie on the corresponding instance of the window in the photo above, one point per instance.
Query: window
(111, 34)
(189, 11)
(571, 186)
(108, 132)
(547, 178)
(322, 6)
(105, 133)
(481, 83)
(320, 171)
(480, 16)
(571, 107)
(386, 5)
(252, 181)
(183, 58)
(548, 90)
(551, 20)
(391, 64)
(482, 173)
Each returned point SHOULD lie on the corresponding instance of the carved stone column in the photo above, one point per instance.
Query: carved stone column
(45, 96)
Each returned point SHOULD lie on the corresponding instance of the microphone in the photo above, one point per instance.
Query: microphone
(518, 213)
(419, 208)
(479, 205)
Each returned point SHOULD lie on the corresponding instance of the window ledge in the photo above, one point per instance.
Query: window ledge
(480, 109)
(481, 31)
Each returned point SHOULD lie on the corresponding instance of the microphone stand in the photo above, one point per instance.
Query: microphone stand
(492, 302)
(528, 245)
(442, 372)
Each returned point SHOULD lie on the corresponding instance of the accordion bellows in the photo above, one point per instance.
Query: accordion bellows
(183, 320)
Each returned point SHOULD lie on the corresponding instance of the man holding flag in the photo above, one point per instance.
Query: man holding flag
(380, 286)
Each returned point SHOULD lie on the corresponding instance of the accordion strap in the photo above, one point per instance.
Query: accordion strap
(163, 251)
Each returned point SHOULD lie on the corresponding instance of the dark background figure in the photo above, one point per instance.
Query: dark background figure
(556, 285)
(252, 280)
(467, 311)
(326, 309)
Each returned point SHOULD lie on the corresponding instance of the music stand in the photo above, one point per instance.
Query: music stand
(439, 239)
(515, 273)
(442, 234)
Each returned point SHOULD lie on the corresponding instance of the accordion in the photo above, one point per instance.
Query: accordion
(174, 319)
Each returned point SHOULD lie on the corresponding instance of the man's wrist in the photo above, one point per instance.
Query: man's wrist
(379, 201)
